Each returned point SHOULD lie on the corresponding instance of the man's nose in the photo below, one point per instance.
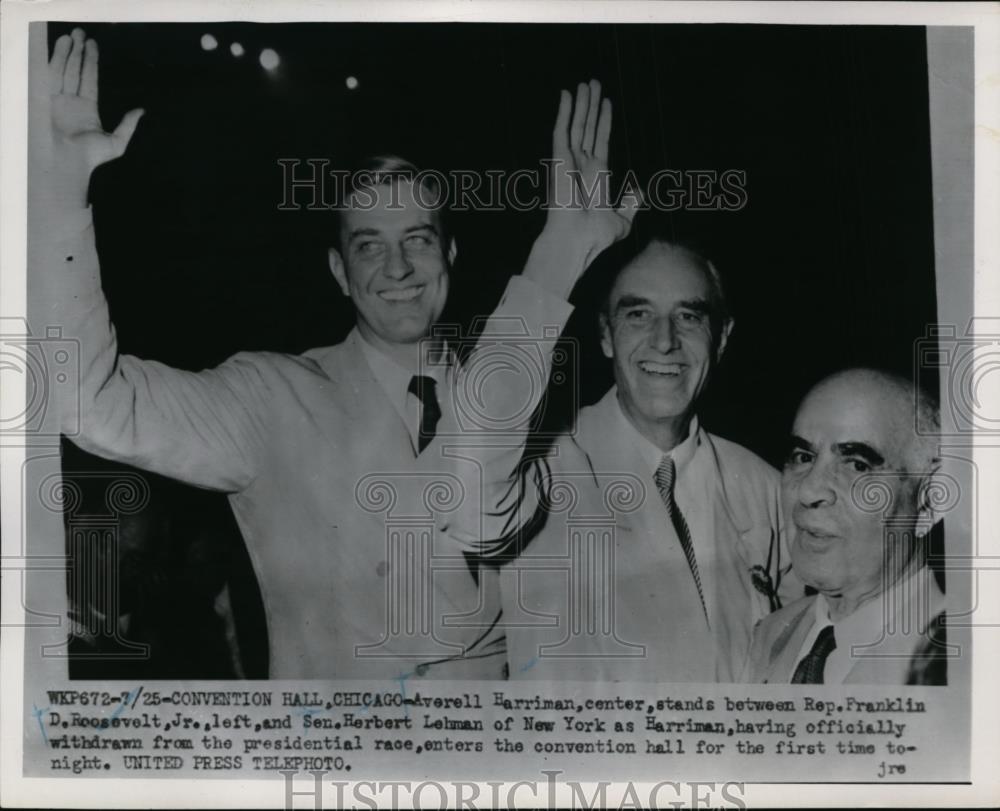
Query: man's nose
(815, 488)
(664, 334)
(397, 265)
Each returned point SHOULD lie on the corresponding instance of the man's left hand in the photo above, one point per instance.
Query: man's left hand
(582, 220)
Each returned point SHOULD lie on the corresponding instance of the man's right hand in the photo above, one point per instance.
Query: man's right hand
(78, 142)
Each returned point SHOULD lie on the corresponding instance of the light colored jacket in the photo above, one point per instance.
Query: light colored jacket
(602, 594)
(899, 645)
(355, 542)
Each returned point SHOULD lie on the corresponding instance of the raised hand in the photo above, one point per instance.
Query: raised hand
(79, 143)
(580, 186)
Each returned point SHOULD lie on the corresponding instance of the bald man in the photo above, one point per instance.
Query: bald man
(862, 453)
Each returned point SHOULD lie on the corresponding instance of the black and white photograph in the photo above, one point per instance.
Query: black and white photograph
(587, 398)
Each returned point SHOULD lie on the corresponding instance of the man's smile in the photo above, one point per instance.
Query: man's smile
(401, 294)
(651, 367)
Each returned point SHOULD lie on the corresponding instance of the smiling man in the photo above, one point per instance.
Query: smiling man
(322, 451)
(668, 537)
(391, 255)
(854, 491)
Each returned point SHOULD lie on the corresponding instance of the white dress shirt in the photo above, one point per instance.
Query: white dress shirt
(863, 629)
(396, 382)
(693, 485)
(635, 614)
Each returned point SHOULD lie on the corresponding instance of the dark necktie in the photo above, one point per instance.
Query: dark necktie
(664, 478)
(810, 669)
(425, 390)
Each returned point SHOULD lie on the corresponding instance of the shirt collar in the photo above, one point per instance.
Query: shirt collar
(682, 453)
(394, 379)
(822, 612)
(900, 600)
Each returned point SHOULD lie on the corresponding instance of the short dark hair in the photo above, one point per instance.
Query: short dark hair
(383, 170)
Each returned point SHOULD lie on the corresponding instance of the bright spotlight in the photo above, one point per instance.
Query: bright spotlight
(351, 82)
(209, 43)
(236, 49)
(269, 59)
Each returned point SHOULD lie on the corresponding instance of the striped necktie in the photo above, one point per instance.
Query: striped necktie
(810, 668)
(664, 478)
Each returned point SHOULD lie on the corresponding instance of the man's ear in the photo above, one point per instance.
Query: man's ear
(607, 347)
(338, 270)
(452, 251)
(932, 490)
(727, 327)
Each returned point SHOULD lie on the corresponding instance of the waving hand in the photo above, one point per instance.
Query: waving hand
(78, 141)
(580, 194)
(581, 220)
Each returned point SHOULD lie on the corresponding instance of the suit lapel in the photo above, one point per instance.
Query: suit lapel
(610, 460)
(887, 661)
(731, 523)
(368, 420)
(603, 446)
(784, 651)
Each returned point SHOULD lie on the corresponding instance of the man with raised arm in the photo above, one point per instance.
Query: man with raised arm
(649, 547)
(321, 453)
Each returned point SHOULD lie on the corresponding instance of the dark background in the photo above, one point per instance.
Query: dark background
(829, 264)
